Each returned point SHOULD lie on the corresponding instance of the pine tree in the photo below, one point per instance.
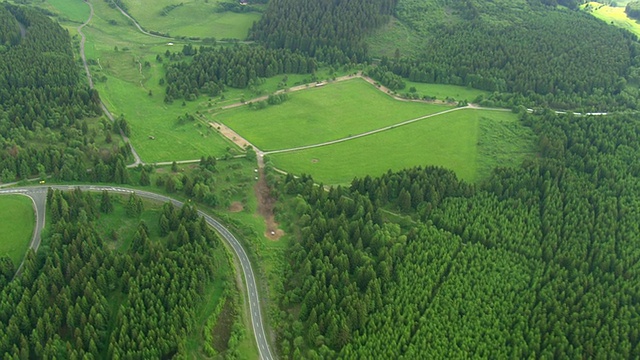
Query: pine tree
(105, 203)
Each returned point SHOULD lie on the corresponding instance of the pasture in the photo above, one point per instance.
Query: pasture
(195, 18)
(18, 221)
(454, 140)
(613, 15)
(321, 114)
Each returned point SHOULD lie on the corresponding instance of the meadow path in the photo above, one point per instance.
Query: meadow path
(106, 111)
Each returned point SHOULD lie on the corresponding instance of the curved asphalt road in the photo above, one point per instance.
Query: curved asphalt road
(38, 194)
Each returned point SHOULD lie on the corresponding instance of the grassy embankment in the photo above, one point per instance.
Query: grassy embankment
(18, 221)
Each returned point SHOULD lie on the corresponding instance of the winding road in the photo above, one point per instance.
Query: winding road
(38, 195)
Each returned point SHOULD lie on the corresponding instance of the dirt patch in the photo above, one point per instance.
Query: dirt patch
(314, 160)
(236, 206)
(231, 135)
(265, 207)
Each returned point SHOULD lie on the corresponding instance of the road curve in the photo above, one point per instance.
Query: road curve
(39, 195)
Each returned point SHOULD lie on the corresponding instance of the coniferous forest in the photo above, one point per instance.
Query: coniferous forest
(63, 304)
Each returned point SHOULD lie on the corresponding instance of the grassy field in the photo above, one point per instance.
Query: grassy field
(195, 18)
(73, 11)
(613, 15)
(18, 221)
(321, 114)
(454, 140)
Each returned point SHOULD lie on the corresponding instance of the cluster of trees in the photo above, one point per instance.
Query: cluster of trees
(331, 31)
(78, 298)
(213, 69)
(44, 106)
(539, 260)
(633, 9)
(522, 53)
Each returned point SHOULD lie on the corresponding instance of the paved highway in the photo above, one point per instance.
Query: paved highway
(39, 196)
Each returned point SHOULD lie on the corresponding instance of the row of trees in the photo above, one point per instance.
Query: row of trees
(537, 261)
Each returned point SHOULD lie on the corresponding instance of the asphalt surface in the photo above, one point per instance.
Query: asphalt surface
(39, 196)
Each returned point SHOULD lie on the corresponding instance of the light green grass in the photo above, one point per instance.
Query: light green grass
(444, 91)
(18, 221)
(391, 36)
(195, 18)
(450, 140)
(317, 115)
(74, 11)
(613, 15)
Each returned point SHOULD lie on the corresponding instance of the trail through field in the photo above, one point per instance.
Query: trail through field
(378, 130)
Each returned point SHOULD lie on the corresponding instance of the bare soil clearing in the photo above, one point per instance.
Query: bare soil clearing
(265, 207)
(236, 206)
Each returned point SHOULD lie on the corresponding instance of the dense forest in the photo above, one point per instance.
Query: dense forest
(48, 115)
(540, 260)
(330, 30)
(514, 47)
(80, 298)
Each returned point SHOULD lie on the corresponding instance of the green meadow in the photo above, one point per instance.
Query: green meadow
(613, 15)
(195, 18)
(18, 221)
(457, 140)
(321, 114)
(73, 11)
